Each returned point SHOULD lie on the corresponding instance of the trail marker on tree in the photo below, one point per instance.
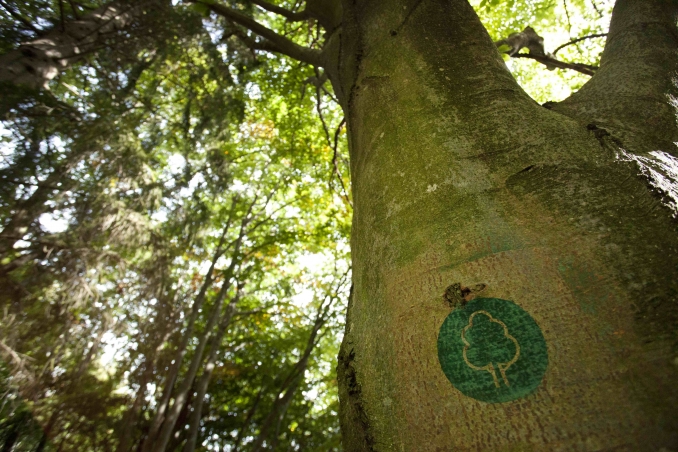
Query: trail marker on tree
(492, 350)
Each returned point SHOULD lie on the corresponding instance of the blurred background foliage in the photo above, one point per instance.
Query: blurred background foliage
(175, 214)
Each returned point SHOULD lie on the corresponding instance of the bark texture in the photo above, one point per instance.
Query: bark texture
(460, 178)
(633, 94)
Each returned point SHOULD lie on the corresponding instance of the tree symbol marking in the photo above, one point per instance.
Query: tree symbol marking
(489, 367)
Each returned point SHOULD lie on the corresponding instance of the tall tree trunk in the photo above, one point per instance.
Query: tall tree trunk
(246, 423)
(47, 431)
(180, 352)
(130, 419)
(465, 187)
(276, 415)
(181, 396)
(289, 386)
(131, 415)
(203, 384)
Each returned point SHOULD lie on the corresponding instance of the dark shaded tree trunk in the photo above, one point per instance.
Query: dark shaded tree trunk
(182, 394)
(181, 350)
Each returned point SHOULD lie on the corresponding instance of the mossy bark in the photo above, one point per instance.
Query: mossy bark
(460, 177)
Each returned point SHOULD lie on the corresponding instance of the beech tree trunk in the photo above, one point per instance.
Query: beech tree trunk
(465, 187)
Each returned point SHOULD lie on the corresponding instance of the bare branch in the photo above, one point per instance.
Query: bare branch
(274, 41)
(529, 39)
(574, 41)
(550, 62)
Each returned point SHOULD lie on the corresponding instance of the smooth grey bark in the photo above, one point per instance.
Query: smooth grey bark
(633, 94)
(37, 62)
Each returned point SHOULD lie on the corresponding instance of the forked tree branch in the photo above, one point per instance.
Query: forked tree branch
(274, 41)
(529, 39)
(635, 83)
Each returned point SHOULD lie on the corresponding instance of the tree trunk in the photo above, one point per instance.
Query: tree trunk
(180, 352)
(203, 384)
(290, 384)
(182, 394)
(465, 187)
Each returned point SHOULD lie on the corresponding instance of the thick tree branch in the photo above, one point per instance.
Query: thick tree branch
(551, 63)
(274, 41)
(530, 40)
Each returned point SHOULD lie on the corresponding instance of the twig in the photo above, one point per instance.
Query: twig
(567, 14)
(334, 147)
(289, 15)
(61, 14)
(74, 9)
(574, 41)
(600, 14)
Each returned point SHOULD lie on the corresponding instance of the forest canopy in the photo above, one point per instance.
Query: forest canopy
(176, 207)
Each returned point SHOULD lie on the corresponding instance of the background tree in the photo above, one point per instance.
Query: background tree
(136, 168)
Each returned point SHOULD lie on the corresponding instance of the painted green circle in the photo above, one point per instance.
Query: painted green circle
(492, 350)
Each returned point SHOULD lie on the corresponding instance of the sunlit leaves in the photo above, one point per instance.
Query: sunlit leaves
(558, 22)
(150, 156)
